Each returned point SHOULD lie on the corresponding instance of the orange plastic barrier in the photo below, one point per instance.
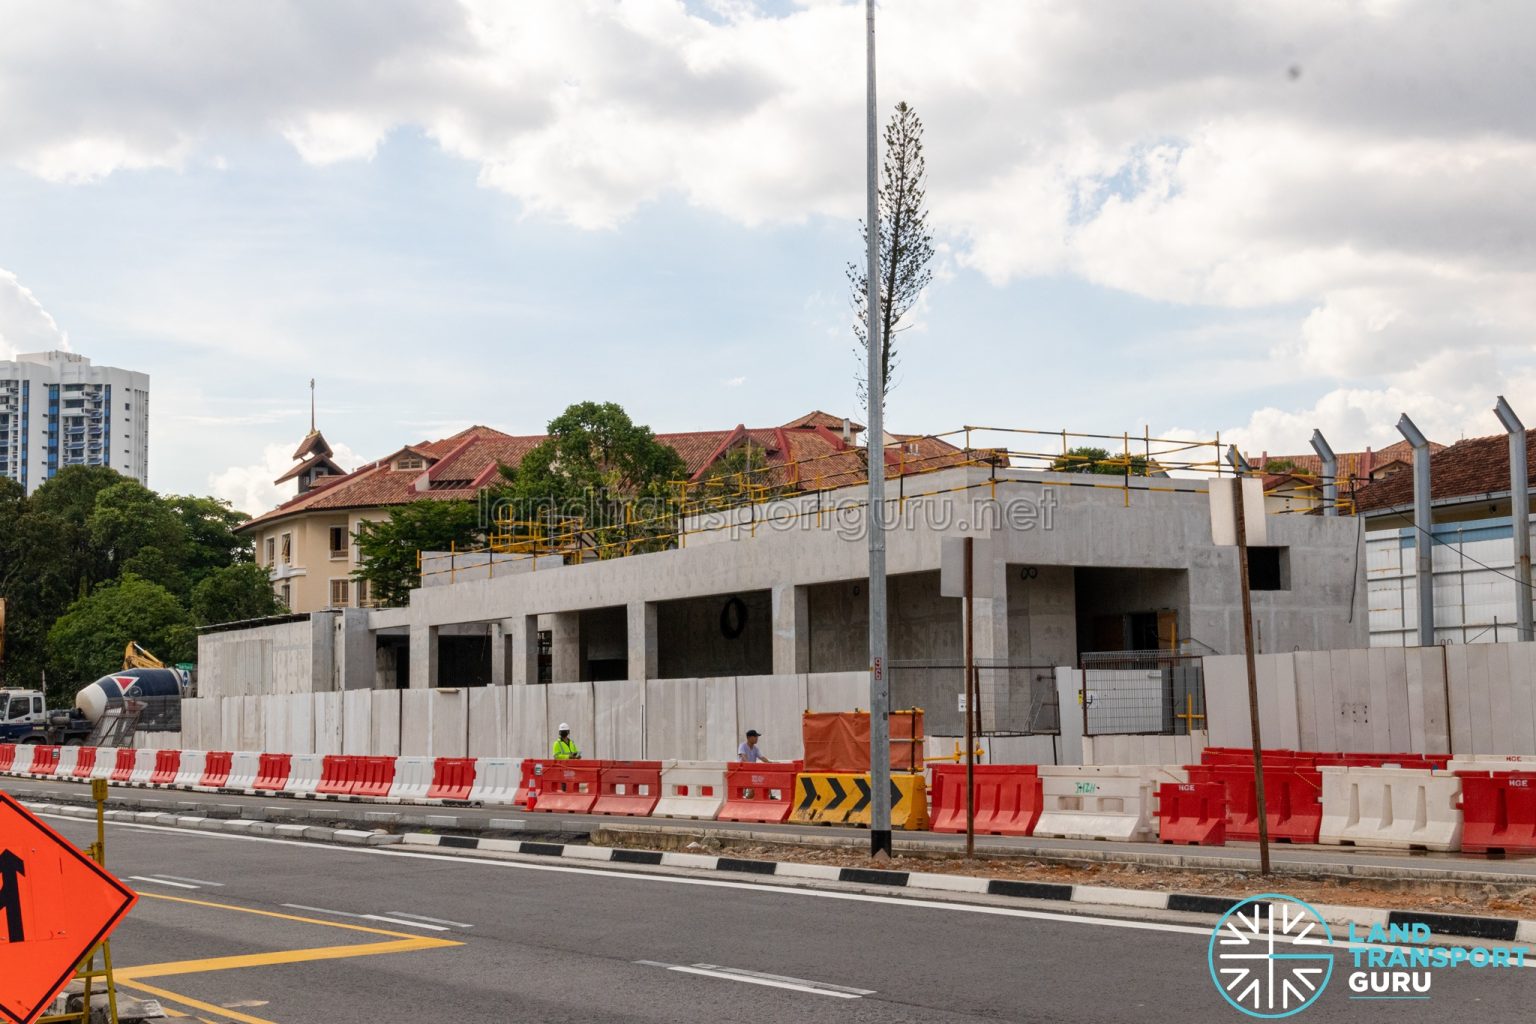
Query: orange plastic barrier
(1236, 756)
(528, 785)
(7, 756)
(216, 769)
(1293, 800)
(85, 763)
(122, 769)
(628, 787)
(1192, 813)
(45, 760)
(272, 772)
(569, 787)
(759, 792)
(1008, 798)
(452, 778)
(167, 764)
(838, 741)
(338, 774)
(1498, 812)
(373, 777)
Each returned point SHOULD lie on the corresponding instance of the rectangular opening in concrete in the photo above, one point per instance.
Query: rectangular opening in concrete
(1130, 609)
(922, 626)
(604, 644)
(392, 664)
(717, 635)
(464, 655)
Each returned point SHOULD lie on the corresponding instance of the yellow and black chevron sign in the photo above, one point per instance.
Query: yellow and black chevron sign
(843, 798)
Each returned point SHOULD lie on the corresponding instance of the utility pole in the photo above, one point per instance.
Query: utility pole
(970, 698)
(879, 687)
(1253, 675)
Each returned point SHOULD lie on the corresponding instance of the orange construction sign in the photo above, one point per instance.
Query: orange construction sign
(56, 904)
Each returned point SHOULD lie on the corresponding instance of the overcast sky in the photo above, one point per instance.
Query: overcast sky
(1256, 218)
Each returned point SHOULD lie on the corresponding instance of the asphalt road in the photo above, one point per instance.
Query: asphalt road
(1240, 855)
(265, 931)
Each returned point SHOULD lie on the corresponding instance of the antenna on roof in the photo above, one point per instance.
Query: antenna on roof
(311, 405)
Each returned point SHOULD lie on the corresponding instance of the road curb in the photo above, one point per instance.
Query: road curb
(234, 826)
(1501, 929)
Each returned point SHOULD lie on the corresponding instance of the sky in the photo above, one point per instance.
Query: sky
(1189, 216)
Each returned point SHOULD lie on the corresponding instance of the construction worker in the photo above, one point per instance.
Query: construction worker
(564, 749)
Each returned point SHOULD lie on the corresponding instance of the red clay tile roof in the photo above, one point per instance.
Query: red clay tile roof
(1357, 466)
(808, 453)
(1467, 469)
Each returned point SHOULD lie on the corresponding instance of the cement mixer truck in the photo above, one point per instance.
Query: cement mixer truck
(23, 718)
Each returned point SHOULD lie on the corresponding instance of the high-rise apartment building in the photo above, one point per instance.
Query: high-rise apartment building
(58, 410)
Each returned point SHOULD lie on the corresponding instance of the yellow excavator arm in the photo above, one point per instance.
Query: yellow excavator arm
(135, 656)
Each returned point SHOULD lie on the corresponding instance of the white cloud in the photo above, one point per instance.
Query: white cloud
(250, 488)
(734, 382)
(25, 326)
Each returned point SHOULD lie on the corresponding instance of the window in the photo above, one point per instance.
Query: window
(339, 593)
(339, 542)
(287, 549)
(37, 705)
(364, 593)
(271, 550)
(285, 595)
(410, 462)
(1269, 569)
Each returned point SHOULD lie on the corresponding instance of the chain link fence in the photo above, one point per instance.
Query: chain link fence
(1160, 693)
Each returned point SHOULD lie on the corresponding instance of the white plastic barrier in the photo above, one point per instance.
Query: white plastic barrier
(23, 761)
(1102, 801)
(691, 789)
(413, 778)
(1391, 809)
(304, 774)
(496, 780)
(106, 763)
(244, 766)
(189, 770)
(1489, 763)
(68, 758)
(143, 767)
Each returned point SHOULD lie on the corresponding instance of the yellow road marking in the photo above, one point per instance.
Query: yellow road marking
(280, 917)
(287, 956)
(172, 997)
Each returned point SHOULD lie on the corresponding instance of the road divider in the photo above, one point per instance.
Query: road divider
(1102, 801)
(630, 788)
(1007, 798)
(759, 792)
(1192, 813)
(691, 789)
(1391, 808)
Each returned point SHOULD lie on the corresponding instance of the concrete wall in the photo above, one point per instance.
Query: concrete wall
(287, 657)
(691, 639)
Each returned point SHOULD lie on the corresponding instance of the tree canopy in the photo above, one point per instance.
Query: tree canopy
(388, 549)
(1098, 460)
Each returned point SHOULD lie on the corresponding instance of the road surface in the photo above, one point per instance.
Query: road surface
(235, 928)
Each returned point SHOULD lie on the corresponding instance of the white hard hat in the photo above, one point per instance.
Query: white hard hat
(564, 727)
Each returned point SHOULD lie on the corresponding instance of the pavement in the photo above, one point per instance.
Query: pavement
(514, 820)
(269, 931)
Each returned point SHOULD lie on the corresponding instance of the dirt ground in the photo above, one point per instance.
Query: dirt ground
(1391, 894)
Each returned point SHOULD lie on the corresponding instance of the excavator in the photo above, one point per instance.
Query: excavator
(135, 656)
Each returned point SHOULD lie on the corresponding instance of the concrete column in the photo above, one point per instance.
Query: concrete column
(642, 645)
(791, 629)
(423, 657)
(356, 657)
(524, 653)
(991, 639)
(322, 669)
(566, 652)
(498, 637)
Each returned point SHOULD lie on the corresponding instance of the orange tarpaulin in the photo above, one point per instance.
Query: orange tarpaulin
(838, 741)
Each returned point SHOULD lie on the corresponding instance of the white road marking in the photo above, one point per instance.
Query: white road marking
(916, 903)
(758, 978)
(190, 881)
(430, 920)
(161, 881)
(366, 917)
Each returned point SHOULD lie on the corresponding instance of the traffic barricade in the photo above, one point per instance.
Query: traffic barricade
(304, 774)
(338, 776)
(568, 787)
(1391, 809)
(845, 798)
(45, 759)
(373, 778)
(7, 756)
(759, 792)
(1498, 813)
(105, 763)
(1192, 813)
(65, 768)
(1292, 800)
(167, 764)
(628, 788)
(1350, 759)
(244, 767)
(272, 772)
(21, 761)
(691, 789)
(1007, 798)
(216, 768)
(122, 764)
(85, 763)
(1101, 801)
(496, 781)
(189, 769)
(145, 760)
(413, 777)
(452, 779)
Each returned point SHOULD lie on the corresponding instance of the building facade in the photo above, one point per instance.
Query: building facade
(58, 410)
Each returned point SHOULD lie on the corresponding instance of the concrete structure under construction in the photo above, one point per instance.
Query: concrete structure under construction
(765, 593)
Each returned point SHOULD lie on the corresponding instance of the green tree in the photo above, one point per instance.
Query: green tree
(208, 527)
(905, 247)
(87, 641)
(129, 517)
(388, 550)
(233, 593)
(1098, 460)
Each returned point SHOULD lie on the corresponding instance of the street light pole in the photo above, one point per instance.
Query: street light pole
(879, 693)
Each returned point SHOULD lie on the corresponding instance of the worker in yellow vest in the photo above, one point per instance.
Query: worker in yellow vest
(564, 749)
